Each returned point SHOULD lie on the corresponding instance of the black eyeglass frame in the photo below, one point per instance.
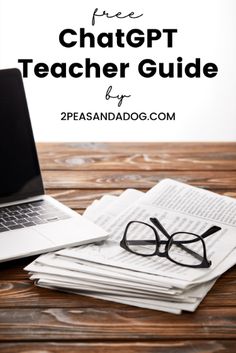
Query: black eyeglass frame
(205, 263)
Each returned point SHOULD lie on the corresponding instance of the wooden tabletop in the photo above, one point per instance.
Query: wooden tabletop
(39, 320)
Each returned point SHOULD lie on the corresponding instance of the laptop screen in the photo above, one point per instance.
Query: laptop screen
(20, 176)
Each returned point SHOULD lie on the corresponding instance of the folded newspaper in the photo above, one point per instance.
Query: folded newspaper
(105, 270)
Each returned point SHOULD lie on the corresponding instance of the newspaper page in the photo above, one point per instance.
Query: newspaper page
(179, 207)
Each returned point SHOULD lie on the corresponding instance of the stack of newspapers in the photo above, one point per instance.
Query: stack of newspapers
(107, 271)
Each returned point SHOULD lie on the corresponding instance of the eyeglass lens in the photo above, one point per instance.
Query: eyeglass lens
(186, 249)
(141, 239)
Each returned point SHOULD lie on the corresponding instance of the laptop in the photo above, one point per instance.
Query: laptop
(30, 221)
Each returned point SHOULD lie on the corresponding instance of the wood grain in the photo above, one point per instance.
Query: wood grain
(160, 346)
(147, 156)
(138, 161)
(141, 180)
(120, 323)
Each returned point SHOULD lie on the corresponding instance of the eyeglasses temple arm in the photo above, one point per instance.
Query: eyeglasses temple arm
(207, 233)
(160, 227)
(210, 231)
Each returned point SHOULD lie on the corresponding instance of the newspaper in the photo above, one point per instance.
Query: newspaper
(175, 216)
(105, 270)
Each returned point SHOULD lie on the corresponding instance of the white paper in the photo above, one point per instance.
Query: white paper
(106, 271)
(219, 245)
(98, 206)
(101, 215)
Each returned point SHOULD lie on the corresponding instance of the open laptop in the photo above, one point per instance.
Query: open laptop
(30, 222)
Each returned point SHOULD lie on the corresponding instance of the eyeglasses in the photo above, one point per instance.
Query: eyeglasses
(183, 248)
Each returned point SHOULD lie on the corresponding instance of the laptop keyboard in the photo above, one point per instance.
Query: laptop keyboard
(28, 215)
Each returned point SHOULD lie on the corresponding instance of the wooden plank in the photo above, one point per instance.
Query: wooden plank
(186, 346)
(138, 161)
(144, 179)
(140, 147)
(120, 323)
(146, 156)
(82, 198)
